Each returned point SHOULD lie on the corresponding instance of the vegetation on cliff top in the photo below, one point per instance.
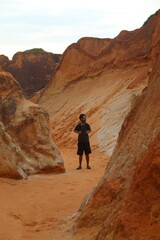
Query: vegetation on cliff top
(35, 50)
(55, 56)
(150, 17)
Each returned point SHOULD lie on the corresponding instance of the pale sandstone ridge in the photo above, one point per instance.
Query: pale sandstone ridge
(26, 145)
(125, 203)
(102, 78)
(32, 69)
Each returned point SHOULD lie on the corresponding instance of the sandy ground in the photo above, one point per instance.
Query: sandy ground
(37, 209)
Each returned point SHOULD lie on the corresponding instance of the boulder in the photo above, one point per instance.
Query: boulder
(26, 125)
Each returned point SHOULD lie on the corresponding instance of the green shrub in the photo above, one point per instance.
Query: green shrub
(148, 19)
(35, 50)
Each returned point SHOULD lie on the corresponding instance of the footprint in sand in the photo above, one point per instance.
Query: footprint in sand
(72, 189)
(73, 183)
(62, 193)
(15, 216)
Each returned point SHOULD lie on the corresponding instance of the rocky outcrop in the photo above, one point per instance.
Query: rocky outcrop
(101, 78)
(32, 69)
(26, 145)
(125, 203)
(4, 61)
(11, 156)
(93, 46)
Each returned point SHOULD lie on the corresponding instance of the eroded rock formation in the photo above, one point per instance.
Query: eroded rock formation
(102, 78)
(4, 61)
(26, 145)
(32, 69)
(125, 204)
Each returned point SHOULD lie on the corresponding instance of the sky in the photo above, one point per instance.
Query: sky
(54, 25)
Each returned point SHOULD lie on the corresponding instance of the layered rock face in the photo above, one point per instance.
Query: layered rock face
(26, 145)
(125, 204)
(33, 70)
(101, 78)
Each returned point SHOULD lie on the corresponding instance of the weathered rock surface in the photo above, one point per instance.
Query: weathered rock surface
(125, 204)
(26, 145)
(4, 61)
(32, 69)
(101, 78)
(11, 156)
(93, 46)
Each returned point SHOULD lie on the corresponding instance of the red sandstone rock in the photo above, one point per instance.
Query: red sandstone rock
(26, 145)
(94, 46)
(125, 204)
(102, 83)
(33, 70)
(4, 61)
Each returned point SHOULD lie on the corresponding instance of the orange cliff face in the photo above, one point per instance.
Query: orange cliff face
(102, 83)
(26, 145)
(32, 69)
(93, 46)
(125, 203)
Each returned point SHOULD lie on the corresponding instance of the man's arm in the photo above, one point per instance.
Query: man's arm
(78, 132)
(88, 129)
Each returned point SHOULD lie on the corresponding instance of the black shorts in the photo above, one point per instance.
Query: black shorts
(84, 147)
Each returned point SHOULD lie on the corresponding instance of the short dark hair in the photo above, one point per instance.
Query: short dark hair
(81, 116)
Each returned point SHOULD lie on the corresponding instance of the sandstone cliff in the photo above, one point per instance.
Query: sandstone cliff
(125, 203)
(32, 69)
(102, 78)
(26, 145)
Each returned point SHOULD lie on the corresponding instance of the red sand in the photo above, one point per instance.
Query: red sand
(37, 208)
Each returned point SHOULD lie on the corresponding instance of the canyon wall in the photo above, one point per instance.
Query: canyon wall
(125, 203)
(101, 78)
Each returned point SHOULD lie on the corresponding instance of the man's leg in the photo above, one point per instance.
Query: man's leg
(87, 150)
(87, 161)
(80, 160)
(80, 153)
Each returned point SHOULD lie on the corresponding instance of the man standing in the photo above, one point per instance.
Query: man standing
(83, 129)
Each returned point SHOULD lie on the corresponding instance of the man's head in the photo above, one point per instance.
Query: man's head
(82, 118)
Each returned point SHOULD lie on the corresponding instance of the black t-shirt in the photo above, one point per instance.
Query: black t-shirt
(83, 137)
